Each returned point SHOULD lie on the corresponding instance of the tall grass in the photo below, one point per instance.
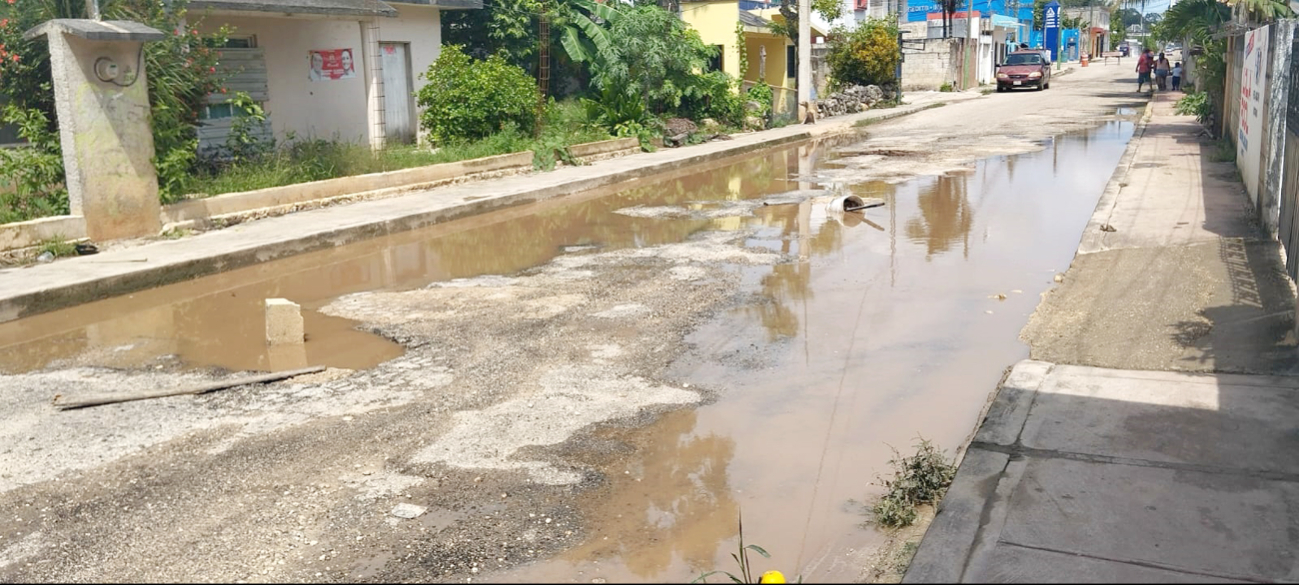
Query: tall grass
(314, 160)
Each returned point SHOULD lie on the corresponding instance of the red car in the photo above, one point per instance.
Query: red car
(1024, 69)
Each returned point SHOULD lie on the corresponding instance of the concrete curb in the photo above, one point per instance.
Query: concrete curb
(49, 287)
(1093, 239)
(977, 497)
(975, 500)
(26, 234)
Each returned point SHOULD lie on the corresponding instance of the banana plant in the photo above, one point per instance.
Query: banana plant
(584, 28)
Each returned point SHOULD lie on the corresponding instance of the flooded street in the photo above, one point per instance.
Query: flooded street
(876, 335)
(763, 354)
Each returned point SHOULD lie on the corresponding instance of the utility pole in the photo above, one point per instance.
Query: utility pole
(92, 9)
(543, 68)
(970, 33)
(805, 60)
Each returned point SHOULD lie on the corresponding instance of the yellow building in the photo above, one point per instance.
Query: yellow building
(770, 56)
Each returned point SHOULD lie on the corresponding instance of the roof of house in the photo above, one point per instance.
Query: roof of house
(750, 19)
(329, 7)
(326, 7)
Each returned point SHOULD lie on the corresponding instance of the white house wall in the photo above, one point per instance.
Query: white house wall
(327, 109)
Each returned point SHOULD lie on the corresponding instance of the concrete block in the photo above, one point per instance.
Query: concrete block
(30, 233)
(283, 322)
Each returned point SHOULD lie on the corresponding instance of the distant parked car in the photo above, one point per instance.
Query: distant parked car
(1024, 69)
(1124, 49)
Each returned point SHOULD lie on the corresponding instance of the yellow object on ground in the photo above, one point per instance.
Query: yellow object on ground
(772, 577)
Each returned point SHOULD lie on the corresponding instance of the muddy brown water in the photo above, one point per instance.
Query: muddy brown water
(886, 328)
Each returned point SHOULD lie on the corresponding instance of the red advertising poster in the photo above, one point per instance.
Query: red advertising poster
(330, 64)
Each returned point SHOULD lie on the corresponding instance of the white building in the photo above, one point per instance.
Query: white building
(334, 69)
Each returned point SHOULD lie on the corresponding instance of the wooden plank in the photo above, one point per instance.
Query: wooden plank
(200, 389)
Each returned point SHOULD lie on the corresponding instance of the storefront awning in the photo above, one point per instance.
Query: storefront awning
(321, 7)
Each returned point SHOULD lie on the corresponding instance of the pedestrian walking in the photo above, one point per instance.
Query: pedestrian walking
(1144, 65)
(1162, 70)
(1177, 76)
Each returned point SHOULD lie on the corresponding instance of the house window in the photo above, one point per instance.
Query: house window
(234, 42)
(791, 62)
(715, 62)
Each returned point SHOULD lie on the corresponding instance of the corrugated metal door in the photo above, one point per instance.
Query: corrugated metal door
(398, 100)
(244, 69)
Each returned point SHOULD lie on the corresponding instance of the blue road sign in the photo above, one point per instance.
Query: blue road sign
(1051, 29)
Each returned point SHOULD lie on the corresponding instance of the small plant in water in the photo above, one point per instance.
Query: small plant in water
(741, 557)
(919, 479)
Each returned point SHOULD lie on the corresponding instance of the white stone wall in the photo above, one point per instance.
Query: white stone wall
(933, 66)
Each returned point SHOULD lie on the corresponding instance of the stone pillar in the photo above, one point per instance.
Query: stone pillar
(101, 98)
(376, 123)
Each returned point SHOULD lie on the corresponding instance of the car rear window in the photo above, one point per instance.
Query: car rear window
(1023, 59)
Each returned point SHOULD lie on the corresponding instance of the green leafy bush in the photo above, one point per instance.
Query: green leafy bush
(31, 177)
(864, 55)
(761, 93)
(468, 99)
(919, 479)
(651, 56)
(713, 95)
(1195, 104)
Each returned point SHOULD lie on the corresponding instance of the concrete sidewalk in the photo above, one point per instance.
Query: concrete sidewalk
(1162, 467)
(1091, 474)
(36, 289)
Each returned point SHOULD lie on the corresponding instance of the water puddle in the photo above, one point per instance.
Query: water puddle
(217, 321)
(886, 329)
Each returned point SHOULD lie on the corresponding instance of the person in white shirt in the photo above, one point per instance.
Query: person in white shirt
(1177, 76)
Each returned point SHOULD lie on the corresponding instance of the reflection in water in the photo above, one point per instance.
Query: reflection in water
(945, 215)
(675, 506)
(893, 336)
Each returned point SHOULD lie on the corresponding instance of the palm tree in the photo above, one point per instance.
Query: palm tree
(1262, 11)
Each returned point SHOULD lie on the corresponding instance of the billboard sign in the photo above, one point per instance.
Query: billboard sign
(1253, 86)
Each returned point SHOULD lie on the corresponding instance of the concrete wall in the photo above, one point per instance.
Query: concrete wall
(716, 22)
(334, 109)
(939, 62)
(1272, 175)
